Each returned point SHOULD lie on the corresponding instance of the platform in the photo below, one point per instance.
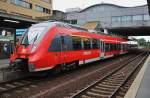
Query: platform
(140, 87)
(4, 63)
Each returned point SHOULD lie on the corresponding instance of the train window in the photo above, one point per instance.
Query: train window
(101, 46)
(76, 42)
(111, 47)
(107, 47)
(124, 47)
(87, 43)
(95, 44)
(55, 45)
(67, 43)
(114, 46)
(119, 46)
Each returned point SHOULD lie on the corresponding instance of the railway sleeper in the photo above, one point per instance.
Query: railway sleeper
(92, 95)
(109, 86)
(104, 89)
(112, 82)
(18, 83)
(10, 85)
(26, 89)
(117, 77)
(3, 88)
(108, 83)
(25, 81)
(85, 96)
(100, 91)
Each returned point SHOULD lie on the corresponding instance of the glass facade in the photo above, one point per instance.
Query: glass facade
(39, 8)
(137, 17)
(42, 9)
(25, 4)
(116, 19)
(21, 3)
(131, 18)
(126, 18)
(146, 17)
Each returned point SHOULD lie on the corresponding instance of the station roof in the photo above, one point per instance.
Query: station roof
(103, 4)
(148, 3)
(138, 31)
(15, 21)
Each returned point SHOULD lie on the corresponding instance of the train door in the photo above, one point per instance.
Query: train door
(121, 51)
(66, 46)
(63, 49)
(102, 47)
(55, 49)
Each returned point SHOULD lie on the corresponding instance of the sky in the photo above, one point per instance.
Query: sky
(64, 4)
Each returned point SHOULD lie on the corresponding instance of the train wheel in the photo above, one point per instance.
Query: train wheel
(57, 69)
(75, 65)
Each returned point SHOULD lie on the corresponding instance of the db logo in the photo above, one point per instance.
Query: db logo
(87, 53)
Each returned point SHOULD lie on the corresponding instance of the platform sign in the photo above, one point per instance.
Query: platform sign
(6, 34)
(20, 32)
(7, 42)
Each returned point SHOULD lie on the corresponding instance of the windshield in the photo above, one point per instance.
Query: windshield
(32, 35)
(35, 33)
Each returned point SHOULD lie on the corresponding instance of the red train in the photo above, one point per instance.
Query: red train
(55, 45)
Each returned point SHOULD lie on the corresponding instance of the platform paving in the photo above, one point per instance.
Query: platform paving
(144, 89)
(4, 63)
(140, 87)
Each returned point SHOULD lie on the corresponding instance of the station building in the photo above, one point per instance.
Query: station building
(20, 14)
(28, 8)
(114, 18)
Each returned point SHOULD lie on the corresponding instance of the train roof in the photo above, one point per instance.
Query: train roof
(61, 24)
(79, 31)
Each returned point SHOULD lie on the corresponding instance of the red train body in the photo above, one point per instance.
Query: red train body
(48, 45)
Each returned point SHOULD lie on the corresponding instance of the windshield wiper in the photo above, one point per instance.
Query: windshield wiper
(25, 41)
(35, 38)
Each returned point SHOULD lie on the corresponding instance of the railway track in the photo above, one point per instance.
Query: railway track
(12, 85)
(111, 82)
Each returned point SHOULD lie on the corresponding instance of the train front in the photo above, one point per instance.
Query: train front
(27, 49)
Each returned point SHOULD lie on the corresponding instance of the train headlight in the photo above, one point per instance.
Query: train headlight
(33, 49)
